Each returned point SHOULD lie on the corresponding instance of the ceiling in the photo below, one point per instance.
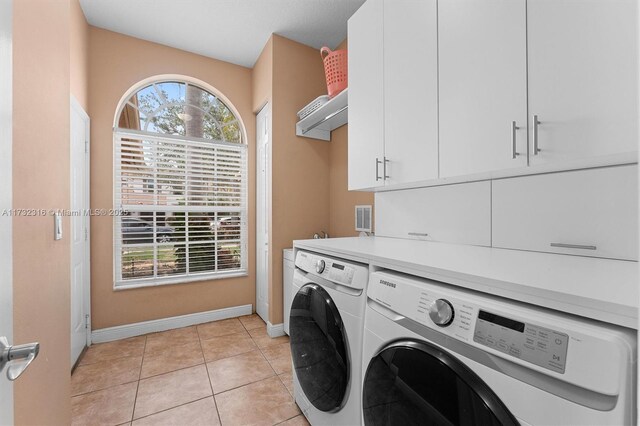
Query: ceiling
(231, 30)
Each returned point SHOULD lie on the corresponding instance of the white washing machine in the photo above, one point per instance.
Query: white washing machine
(325, 328)
(438, 355)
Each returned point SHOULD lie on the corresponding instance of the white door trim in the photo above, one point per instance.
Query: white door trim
(263, 211)
(76, 107)
(6, 196)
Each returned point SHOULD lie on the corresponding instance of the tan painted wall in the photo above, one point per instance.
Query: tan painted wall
(79, 43)
(342, 201)
(262, 77)
(41, 266)
(116, 63)
(300, 180)
(309, 176)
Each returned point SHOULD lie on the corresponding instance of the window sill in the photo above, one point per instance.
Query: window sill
(156, 282)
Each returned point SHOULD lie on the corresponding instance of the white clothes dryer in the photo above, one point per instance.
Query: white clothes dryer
(441, 355)
(325, 328)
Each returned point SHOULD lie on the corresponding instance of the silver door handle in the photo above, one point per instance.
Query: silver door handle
(17, 358)
(536, 123)
(384, 168)
(514, 153)
(378, 162)
(573, 246)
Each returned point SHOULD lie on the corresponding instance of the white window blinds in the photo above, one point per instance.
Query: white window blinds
(183, 209)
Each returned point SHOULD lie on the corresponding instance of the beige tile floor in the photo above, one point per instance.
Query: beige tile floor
(227, 372)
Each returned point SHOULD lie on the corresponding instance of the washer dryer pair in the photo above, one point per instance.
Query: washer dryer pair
(325, 329)
(438, 355)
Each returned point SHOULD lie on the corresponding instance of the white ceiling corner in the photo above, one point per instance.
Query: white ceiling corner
(230, 30)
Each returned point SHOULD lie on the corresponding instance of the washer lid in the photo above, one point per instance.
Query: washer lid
(416, 383)
(319, 348)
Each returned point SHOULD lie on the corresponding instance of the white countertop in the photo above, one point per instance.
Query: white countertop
(601, 289)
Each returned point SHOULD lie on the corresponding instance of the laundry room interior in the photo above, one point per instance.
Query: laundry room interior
(324, 212)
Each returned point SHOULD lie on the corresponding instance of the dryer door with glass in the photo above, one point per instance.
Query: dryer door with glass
(416, 383)
(319, 348)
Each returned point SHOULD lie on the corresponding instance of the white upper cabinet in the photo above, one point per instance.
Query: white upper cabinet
(483, 85)
(366, 108)
(393, 93)
(410, 90)
(583, 78)
(464, 90)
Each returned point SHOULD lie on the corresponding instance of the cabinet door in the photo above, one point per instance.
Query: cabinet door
(591, 212)
(583, 77)
(410, 90)
(459, 214)
(366, 127)
(483, 85)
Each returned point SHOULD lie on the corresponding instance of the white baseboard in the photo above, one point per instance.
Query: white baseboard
(140, 328)
(275, 330)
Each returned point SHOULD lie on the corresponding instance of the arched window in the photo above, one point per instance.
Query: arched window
(180, 187)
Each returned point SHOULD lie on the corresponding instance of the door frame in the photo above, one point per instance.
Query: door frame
(6, 196)
(263, 210)
(76, 107)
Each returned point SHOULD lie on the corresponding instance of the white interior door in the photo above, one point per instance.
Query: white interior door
(6, 182)
(79, 222)
(263, 210)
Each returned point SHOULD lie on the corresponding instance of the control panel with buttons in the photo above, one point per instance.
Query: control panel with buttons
(541, 346)
(328, 268)
(471, 322)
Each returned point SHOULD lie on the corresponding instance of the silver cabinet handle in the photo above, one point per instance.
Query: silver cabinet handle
(378, 162)
(418, 234)
(18, 357)
(536, 123)
(384, 168)
(514, 153)
(573, 246)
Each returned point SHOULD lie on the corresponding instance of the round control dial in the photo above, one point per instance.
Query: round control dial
(441, 312)
(320, 266)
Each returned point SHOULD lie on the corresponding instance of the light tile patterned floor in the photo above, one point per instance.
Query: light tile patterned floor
(227, 373)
